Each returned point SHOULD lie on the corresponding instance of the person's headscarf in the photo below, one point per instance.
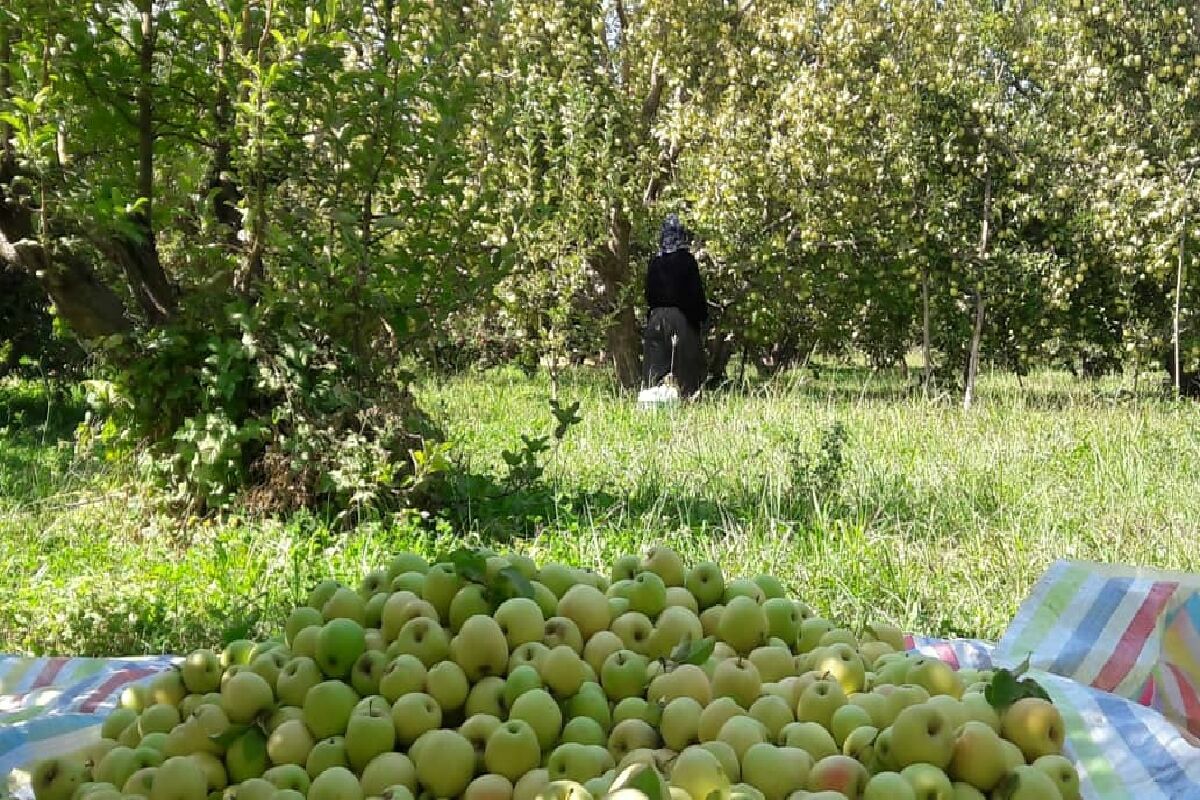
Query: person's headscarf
(673, 236)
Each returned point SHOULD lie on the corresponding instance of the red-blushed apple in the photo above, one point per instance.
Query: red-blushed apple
(840, 774)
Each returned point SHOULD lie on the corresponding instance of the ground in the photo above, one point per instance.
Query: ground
(867, 501)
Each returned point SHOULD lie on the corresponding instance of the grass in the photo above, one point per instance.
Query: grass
(868, 502)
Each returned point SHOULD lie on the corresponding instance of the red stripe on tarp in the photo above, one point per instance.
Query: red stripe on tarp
(1147, 698)
(48, 673)
(1126, 653)
(117, 679)
(1191, 704)
(909, 642)
(946, 653)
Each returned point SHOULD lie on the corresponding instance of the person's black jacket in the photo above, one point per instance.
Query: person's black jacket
(674, 280)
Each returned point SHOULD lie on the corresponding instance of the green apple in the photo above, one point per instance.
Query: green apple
(201, 672)
(772, 588)
(715, 715)
(706, 583)
(530, 653)
(327, 708)
(345, 603)
(726, 755)
(339, 645)
(1035, 726)
(634, 629)
(409, 582)
(179, 778)
(819, 701)
(626, 568)
(648, 595)
(842, 662)
(442, 582)
(975, 706)
(480, 648)
(374, 705)
(578, 762)
(617, 606)
(675, 625)
(424, 638)
(965, 791)
(680, 724)
(531, 785)
(743, 625)
(812, 737)
(335, 783)
(519, 681)
(562, 630)
(367, 736)
(119, 719)
(445, 763)
(486, 697)
(477, 730)
(216, 778)
(860, 745)
(321, 593)
(743, 587)
(387, 770)
(446, 683)
(698, 772)
(562, 670)
(935, 676)
(158, 718)
(773, 663)
(978, 757)
(373, 610)
(245, 696)
(407, 562)
(468, 602)
(630, 735)
(374, 582)
(557, 578)
(269, 664)
(414, 714)
(168, 688)
(521, 621)
(117, 765)
(296, 678)
(710, 620)
(139, 783)
(783, 621)
(838, 773)
(679, 597)
(301, 617)
(512, 750)
(489, 787)
(928, 782)
(921, 734)
(402, 675)
(246, 756)
(584, 730)
(741, 733)
(737, 678)
(637, 708)
(774, 713)
(686, 680)
(58, 778)
(598, 648)
(590, 701)
(537, 708)
(811, 631)
(587, 607)
(289, 776)
(666, 564)
(846, 719)
(367, 671)
(395, 612)
(326, 754)
(546, 600)
(1062, 772)
(776, 771)
(888, 786)
(1026, 783)
(290, 743)
(305, 643)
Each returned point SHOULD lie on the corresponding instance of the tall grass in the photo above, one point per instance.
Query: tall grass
(868, 501)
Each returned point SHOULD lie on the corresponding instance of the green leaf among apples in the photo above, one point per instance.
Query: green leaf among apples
(1007, 687)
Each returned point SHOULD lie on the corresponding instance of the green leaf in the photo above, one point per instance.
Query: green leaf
(1007, 687)
(695, 653)
(509, 583)
(469, 564)
(228, 736)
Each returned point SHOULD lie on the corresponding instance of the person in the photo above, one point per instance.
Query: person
(672, 342)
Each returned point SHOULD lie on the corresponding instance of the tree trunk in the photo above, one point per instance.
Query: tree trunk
(926, 348)
(977, 328)
(612, 264)
(1177, 371)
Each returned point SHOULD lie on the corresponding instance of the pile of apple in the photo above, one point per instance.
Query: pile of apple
(485, 677)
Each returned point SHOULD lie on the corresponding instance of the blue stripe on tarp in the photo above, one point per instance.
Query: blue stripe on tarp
(15, 738)
(1083, 638)
(1162, 767)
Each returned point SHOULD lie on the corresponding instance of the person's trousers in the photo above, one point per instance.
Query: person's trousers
(672, 346)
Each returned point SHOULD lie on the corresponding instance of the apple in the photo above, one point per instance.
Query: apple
(886, 633)
(599, 647)
(626, 568)
(618, 606)
(591, 702)
(743, 587)
(563, 790)
(245, 696)
(675, 624)
(686, 680)
(741, 733)
(167, 689)
(710, 620)
(773, 663)
(860, 745)
(345, 603)
(374, 582)
(117, 765)
(871, 652)
(563, 671)
(537, 708)
(774, 713)
(424, 638)
(445, 763)
(726, 755)
(119, 719)
(737, 678)
(546, 600)
(406, 562)
(772, 587)
(921, 734)
(1035, 726)
(335, 783)
(715, 715)
(842, 662)
(520, 620)
(838, 636)
(584, 730)
(875, 705)
(296, 678)
(666, 564)
(975, 706)
(680, 724)
(512, 750)
(246, 756)
(706, 583)
(158, 718)
(531, 785)
(367, 671)
(327, 753)
(1026, 783)
(289, 776)
(965, 791)
(201, 672)
(888, 786)
(648, 595)
(530, 653)
(587, 607)
(179, 778)
(216, 779)
(839, 774)
(632, 734)
(634, 629)
(743, 625)
(290, 743)
(486, 697)
(414, 714)
(137, 696)
(280, 715)
(579, 762)
(935, 676)
(812, 737)
(409, 582)
(327, 708)
(58, 778)
(442, 582)
(468, 602)
(978, 757)
(928, 782)
(846, 719)
(320, 594)
(679, 597)
(699, 773)
(139, 783)
(637, 708)
(557, 578)
(1013, 757)
(562, 630)
(776, 771)
(811, 631)
(1062, 772)
(519, 681)
(489, 787)
(480, 648)
(624, 674)
(446, 683)
(305, 643)
(387, 770)
(819, 701)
